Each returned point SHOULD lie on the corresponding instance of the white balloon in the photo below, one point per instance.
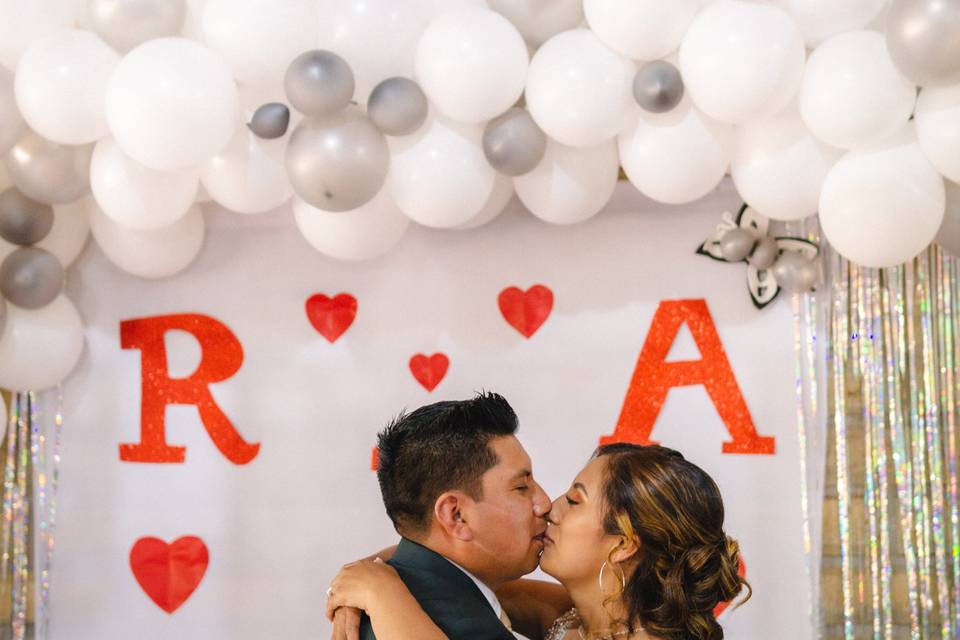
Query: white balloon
(23, 23)
(539, 20)
(172, 103)
(40, 347)
(571, 184)
(641, 29)
(260, 38)
(12, 125)
(579, 91)
(471, 64)
(882, 205)
(851, 94)
(948, 237)
(435, 8)
(193, 20)
(249, 175)
(938, 128)
(741, 60)
(439, 175)
(150, 254)
(678, 156)
(137, 196)
(499, 198)
(71, 227)
(820, 19)
(378, 38)
(778, 166)
(361, 234)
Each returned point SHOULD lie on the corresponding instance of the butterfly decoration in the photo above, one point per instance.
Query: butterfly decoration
(794, 257)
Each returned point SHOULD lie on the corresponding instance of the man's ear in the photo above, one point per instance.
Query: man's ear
(449, 512)
(625, 550)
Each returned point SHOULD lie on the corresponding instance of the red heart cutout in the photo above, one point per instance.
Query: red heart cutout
(527, 310)
(720, 608)
(429, 371)
(169, 573)
(331, 316)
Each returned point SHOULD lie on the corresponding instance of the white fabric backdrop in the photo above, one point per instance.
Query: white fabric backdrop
(278, 527)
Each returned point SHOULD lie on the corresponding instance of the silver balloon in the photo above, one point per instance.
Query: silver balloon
(3, 314)
(31, 277)
(47, 171)
(337, 163)
(795, 273)
(658, 87)
(270, 120)
(923, 37)
(736, 244)
(397, 106)
(513, 143)
(23, 221)
(319, 83)
(764, 254)
(124, 24)
(12, 125)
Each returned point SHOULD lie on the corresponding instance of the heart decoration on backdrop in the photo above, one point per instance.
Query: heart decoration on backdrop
(169, 573)
(429, 370)
(331, 317)
(526, 311)
(720, 608)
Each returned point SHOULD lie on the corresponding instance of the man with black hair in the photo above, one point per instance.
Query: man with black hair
(459, 488)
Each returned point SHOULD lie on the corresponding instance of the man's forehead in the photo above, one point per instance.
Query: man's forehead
(513, 457)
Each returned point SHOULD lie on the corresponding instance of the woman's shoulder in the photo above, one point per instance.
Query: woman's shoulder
(569, 620)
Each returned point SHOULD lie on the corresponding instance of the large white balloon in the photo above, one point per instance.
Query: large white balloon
(540, 20)
(12, 125)
(882, 205)
(259, 38)
(62, 84)
(362, 234)
(938, 128)
(641, 29)
(471, 64)
(40, 347)
(851, 94)
(71, 227)
(571, 184)
(579, 91)
(778, 166)
(496, 204)
(248, 176)
(137, 196)
(439, 175)
(820, 19)
(948, 237)
(23, 23)
(150, 254)
(741, 60)
(172, 103)
(678, 156)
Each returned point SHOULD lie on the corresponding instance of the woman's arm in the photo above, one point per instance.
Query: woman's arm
(377, 589)
(533, 605)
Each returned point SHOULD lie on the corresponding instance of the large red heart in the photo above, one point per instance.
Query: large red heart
(429, 371)
(331, 316)
(720, 608)
(527, 310)
(169, 573)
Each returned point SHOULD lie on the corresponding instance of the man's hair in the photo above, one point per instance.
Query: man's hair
(439, 447)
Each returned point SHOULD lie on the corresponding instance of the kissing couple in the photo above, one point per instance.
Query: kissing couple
(636, 543)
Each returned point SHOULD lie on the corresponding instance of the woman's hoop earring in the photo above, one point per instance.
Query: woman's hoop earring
(623, 578)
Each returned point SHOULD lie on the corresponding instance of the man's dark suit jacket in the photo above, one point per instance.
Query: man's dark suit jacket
(447, 594)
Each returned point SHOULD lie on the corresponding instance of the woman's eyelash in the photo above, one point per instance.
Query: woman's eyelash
(571, 502)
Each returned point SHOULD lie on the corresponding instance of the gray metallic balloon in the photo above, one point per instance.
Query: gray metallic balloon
(513, 143)
(658, 87)
(47, 171)
(124, 24)
(795, 273)
(31, 277)
(397, 106)
(764, 254)
(319, 83)
(270, 120)
(736, 244)
(337, 163)
(23, 221)
(3, 314)
(923, 37)
(12, 125)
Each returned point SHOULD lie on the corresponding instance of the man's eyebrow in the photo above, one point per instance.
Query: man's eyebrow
(579, 485)
(522, 474)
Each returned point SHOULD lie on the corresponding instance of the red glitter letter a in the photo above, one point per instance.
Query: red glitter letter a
(221, 357)
(653, 377)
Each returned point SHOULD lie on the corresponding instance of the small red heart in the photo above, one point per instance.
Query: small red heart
(720, 608)
(331, 316)
(429, 371)
(169, 573)
(527, 310)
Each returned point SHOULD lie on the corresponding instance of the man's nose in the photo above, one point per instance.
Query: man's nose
(541, 502)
